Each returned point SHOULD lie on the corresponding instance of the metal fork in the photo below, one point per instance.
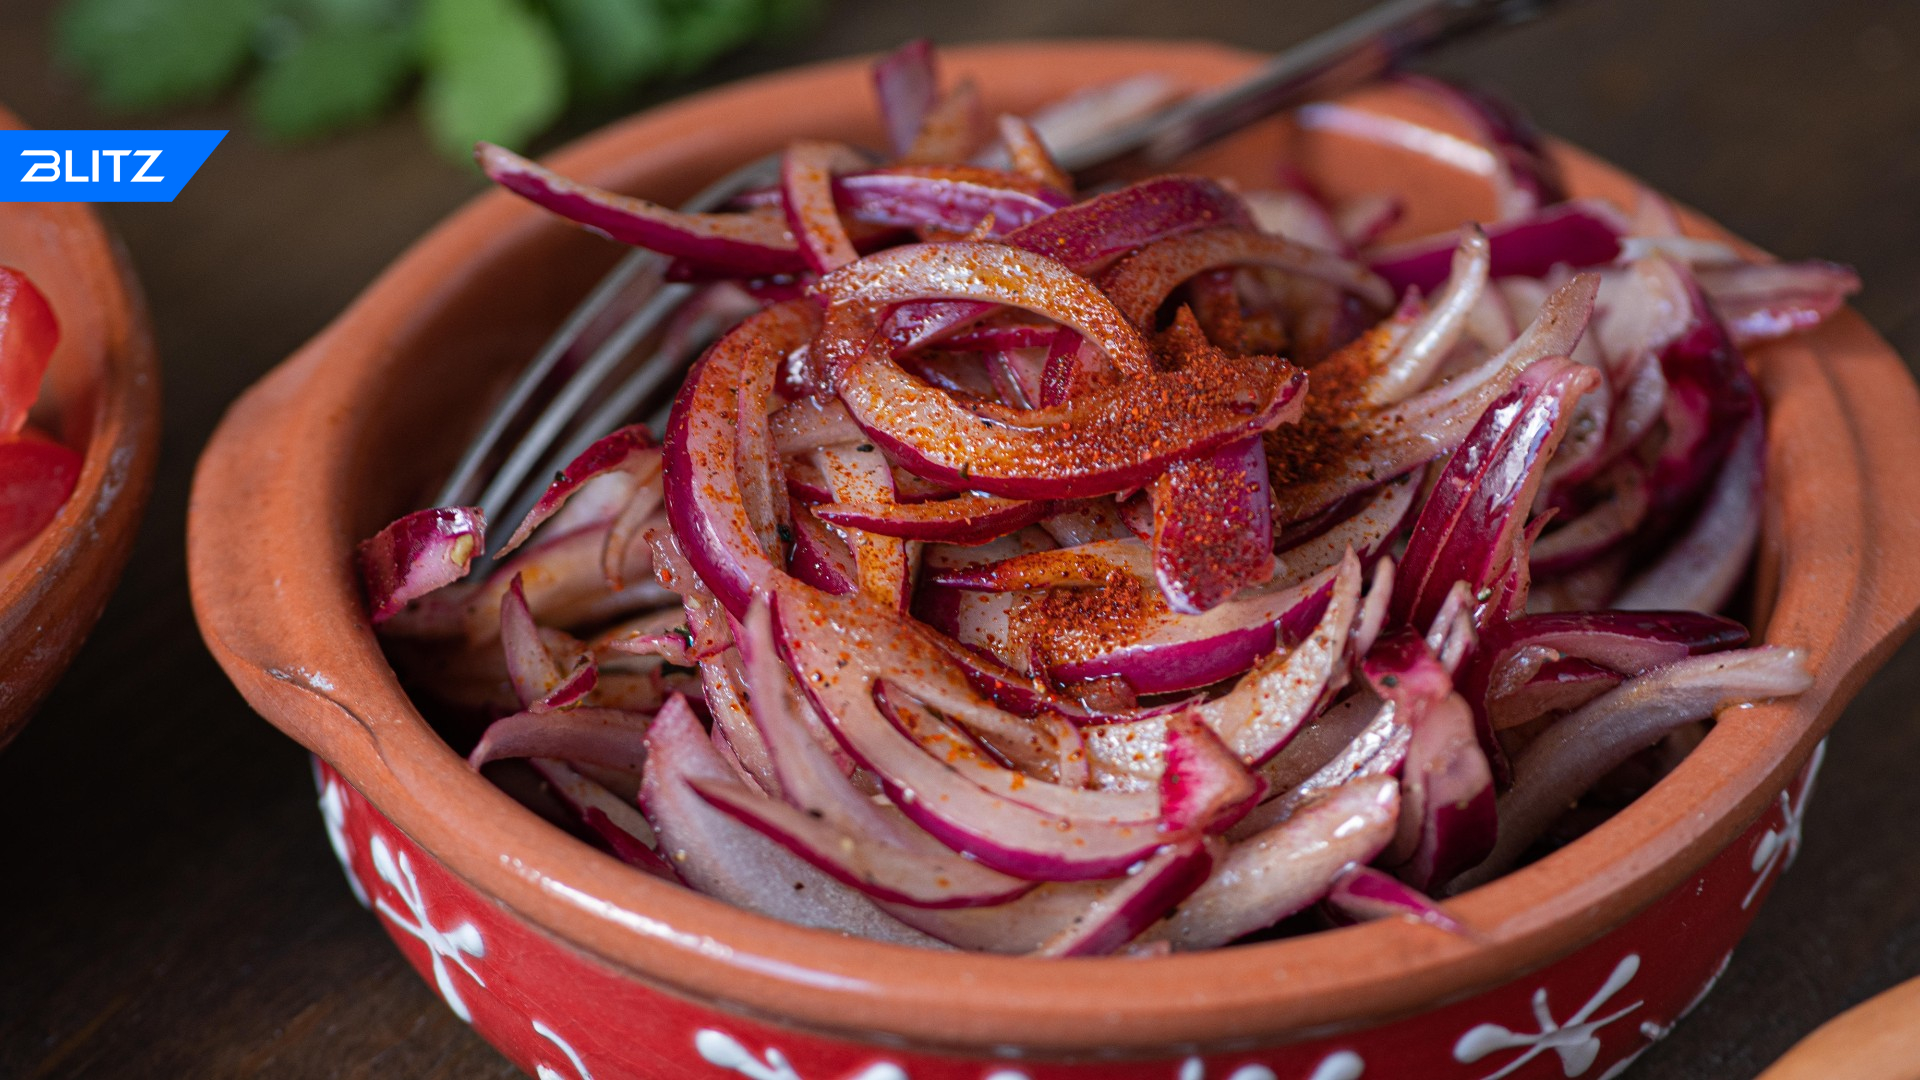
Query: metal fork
(608, 386)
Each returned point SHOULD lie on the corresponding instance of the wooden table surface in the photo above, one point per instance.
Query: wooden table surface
(168, 903)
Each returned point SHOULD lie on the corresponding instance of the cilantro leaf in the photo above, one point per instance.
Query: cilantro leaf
(332, 77)
(148, 54)
(494, 71)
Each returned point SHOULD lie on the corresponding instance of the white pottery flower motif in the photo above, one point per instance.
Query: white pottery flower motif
(1783, 846)
(1576, 1041)
(1339, 1065)
(442, 945)
(725, 1051)
(333, 810)
(548, 1072)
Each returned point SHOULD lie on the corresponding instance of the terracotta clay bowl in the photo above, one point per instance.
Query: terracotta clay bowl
(101, 396)
(576, 966)
(1879, 1039)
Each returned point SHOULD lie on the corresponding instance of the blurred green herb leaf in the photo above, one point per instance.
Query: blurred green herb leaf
(332, 77)
(145, 54)
(495, 69)
(613, 43)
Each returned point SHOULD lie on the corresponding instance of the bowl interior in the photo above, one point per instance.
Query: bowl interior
(383, 399)
(100, 397)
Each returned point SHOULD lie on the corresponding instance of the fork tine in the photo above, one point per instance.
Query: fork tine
(554, 418)
(580, 388)
(459, 486)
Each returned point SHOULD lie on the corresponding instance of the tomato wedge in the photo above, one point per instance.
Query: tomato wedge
(36, 476)
(28, 333)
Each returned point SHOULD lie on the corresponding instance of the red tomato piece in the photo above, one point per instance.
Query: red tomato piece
(36, 477)
(28, 333)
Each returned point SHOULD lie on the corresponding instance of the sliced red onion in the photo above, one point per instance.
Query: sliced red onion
(703, 495)
(1433, 423)
(1174, 652)
(1373, 610)
(1053, 910)
(1213, 527)
(1609, 523)
(612, 738)
(1447, 819)
(1255, 720)
(630, 450)
(625, 846)
(806, 188)
(1631, 643)
(951, 128)
(1084, 115)
(811, 423)
(1414, 359)
(1704, 566)
(1148, 892)
(799, 744)
(1016, 381)
(1298, 216)
(1097, 445)
(1203, 785)
(1363, 894)
(417, 554)
(1001, 335)
(820, 558)
(565, 583)
(672, 643)
(1468, 527)
(1525, 176)
(932, 670)
(540, 682)
(952, 200)
(1573, 754)
(907, 82)
(1086, 237)
(883, 565)
(1084, 523)
(610, 817)
(1029, 156)
(1764, 301)
(1359, 738)
(967, 270)
(1369, 530)
(1579, 233)
(756, 242)
(963, 519)
(1558, 686)
(1285, 869)
(999, 827)
(1084, 564)
(723, 688)
(1142, 281)
(1092, 232)
(1364, 219)
(722, 858)
(762, 494)
(883, 872)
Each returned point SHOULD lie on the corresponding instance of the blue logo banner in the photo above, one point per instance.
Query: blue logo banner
(100, 166)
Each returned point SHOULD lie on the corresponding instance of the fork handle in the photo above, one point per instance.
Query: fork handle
(1362, 48)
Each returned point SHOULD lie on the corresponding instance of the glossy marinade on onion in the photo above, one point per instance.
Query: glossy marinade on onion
(1056, 572)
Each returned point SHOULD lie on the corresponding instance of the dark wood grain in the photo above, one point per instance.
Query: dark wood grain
(168, 904)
